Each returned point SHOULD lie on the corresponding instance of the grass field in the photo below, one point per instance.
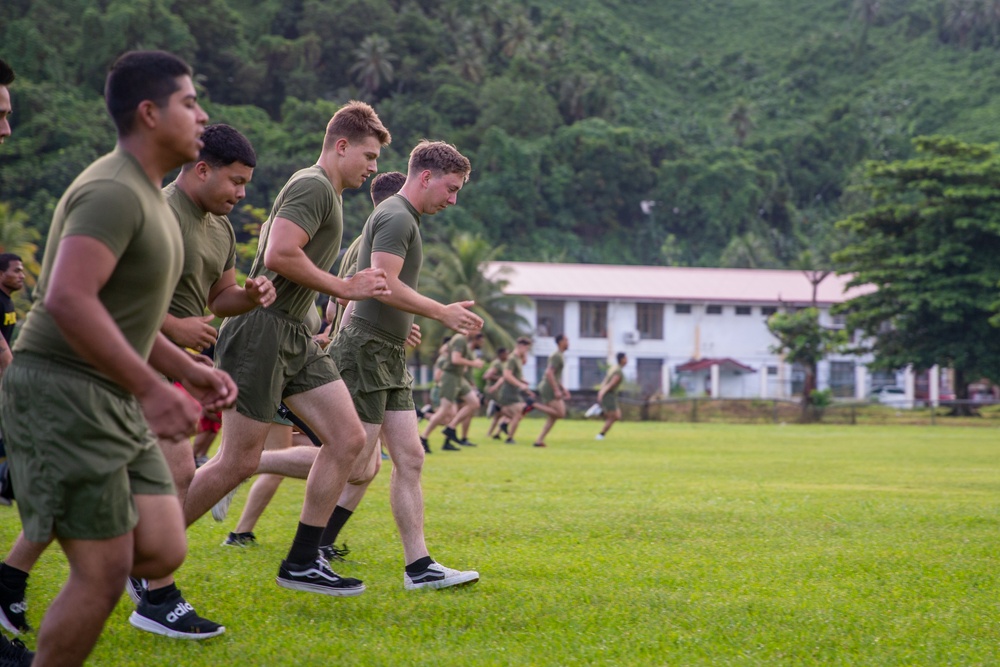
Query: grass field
(666, 544)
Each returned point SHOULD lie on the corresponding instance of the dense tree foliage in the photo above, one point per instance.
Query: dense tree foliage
(661, 133)
(929, 241)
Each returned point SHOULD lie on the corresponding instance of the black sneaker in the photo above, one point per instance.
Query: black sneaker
(449, 446)
(240, 540)
(510, 441)
(465, 443)
(496, 437)
(450, 433)
(6, 487)
(425, 445)
(503, 428)
(175, 617)
(12, 610)
(135, 588)
(14, 653)
(317, 577)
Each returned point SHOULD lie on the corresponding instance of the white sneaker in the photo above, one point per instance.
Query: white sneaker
(438, 576)
(600, 436)
(593, 410)
(221, 508)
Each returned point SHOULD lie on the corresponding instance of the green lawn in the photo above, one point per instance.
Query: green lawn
(666, 544)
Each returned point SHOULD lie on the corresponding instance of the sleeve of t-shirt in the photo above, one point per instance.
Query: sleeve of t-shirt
(307, 202)
(459, 344)
(231, 260)
(392, 234)
(106, 211)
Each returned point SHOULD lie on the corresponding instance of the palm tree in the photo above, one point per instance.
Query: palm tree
(740, 118)
(457, 275)
(373, 66)
(19, 239)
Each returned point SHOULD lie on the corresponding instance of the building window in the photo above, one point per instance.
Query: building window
(649, 320)
(713, 309)
(592, 371)
(767, 311)
(683, 308)
(743, 310)
(842, 378)
(593, 319)
(649, 373)
(839, 321)
(550, 318)
(772, 370)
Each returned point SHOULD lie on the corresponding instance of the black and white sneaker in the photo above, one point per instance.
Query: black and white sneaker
(240, 540)
(12, 610)
(465, 443)
(175, 618)
(221, 509)
(14, 653)
(135, 588)
(439, 576)
(317, 577)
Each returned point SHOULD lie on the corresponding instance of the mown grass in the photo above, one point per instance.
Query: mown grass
(666, 544)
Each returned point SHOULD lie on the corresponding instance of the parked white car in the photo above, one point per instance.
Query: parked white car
(894, 396)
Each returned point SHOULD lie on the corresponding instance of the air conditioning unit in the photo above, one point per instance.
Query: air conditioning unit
(631, 337)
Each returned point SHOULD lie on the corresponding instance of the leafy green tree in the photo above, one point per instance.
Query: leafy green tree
(804, 341)
(929, 243)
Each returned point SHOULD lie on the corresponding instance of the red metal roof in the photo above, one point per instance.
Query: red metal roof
(725, 364)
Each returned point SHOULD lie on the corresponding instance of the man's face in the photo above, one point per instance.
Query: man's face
(564, 344)
(13, 278)
(624, 361)
(360, 160)
(5, 110)
(522, 351)
(182, 122)
(220, 189)
(442, 191)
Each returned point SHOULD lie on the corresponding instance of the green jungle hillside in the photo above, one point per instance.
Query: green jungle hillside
(712, 133)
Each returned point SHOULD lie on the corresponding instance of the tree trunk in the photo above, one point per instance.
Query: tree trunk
(962, 394)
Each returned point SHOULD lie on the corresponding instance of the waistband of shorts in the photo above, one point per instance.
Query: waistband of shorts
(280, 314)
(40, 362)
(367, 327)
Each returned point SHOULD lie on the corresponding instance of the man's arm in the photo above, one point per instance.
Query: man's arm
(82, 267)
(458, 359)
(226, 298)
(455, 316)
(194, 332)
(213, 389)
(6, 356)
(285, 256)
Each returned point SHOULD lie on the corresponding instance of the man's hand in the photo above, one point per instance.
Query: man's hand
(260, 290)
(170, 413)
(413, 340)
(476, 363)
(212, 388)
(322, 339)
(367, 284)
(457, 316)
(193, 332)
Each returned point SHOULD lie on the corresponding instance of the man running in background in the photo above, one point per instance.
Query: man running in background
(551, 392)
(607, 395)
(512, 405)
(455, 389)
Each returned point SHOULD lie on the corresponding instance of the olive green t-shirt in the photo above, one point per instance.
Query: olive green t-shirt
(308, 200)
(393, 228)
(460, 344)
(614, 371)
(510, 393)
(114, 202)
(348, 267)
(209, 251)
(556, 364)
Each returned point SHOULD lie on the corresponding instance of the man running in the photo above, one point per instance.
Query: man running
(512, 405)
(607, 395)
(551, 392)
(455, 389)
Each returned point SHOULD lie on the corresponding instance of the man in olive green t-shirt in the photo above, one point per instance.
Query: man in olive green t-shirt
(512, 405)
(607, 395)
(370, 354)
(84, 396)
(455, 388)
(273, 357)
(551, 392)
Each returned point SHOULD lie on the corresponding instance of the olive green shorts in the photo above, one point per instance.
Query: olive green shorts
(79, 449)
(436, 396)
(454, 387)
(546, 394)
(373, 364)
(509, 395)
(271, 356)
(610, 402)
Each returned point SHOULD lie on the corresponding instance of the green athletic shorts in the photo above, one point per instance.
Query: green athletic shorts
(373, 364)
(610, 402)
(436, 396)
(509, 395)
(78, 448)
(454, 387)
(271, 356)
(546, 394)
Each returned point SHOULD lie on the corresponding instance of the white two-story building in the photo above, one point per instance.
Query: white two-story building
(703, 330)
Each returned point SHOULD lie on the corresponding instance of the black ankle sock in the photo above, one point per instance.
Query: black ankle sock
(13, 578)
(419, 565)
(335, 524)
(305, 546)
(160, 595)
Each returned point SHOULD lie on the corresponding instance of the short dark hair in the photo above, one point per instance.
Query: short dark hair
(386, 185)
(440, 158)
(355, 121)
(501, 350)
(5, 260)
(225, 145)
(620, 356)
(445, 340)
(7, 75)
(138, 76)
(559, 338)
(524, 340)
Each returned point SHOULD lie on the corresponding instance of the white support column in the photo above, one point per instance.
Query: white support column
(860, 382)
(665, 378)
(934, 385)
(716, 384)
(909, 385)
(763, 380)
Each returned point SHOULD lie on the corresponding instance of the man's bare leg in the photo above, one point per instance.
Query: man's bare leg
(279, 437)
(441, 416)
(554, 411)
(406, 496)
